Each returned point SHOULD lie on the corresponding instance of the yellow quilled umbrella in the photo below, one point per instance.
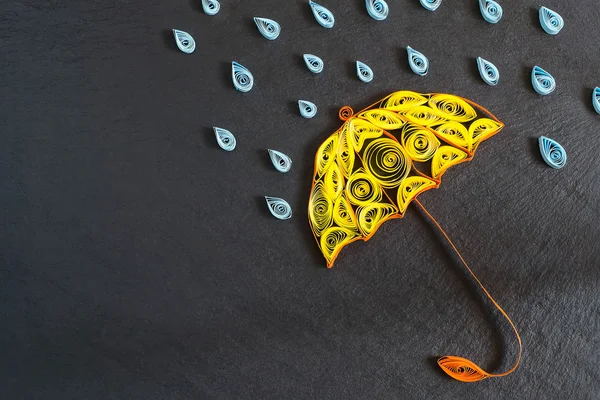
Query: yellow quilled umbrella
(380, 160)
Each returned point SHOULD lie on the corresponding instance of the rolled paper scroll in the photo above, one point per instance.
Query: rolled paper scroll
(596, 99)
(281, 162)
(377, 9)
(490, 10)
(364, 72)
(185, 42)
(314, 63)
(211, 7)
(279, 207)
(268, 28)
(488, 71)
(542, 81)
(552, 152)
(307, 109)
(431, 5)
(242, 78)
(225, 139)
(417, 61)
(551, 21)
(323, 16)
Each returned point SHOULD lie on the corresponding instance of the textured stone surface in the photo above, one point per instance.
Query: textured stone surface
(138, 260)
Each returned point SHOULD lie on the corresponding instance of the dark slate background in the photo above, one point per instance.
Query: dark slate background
(138, 260)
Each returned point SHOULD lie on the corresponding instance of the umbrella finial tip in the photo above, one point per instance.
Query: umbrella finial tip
(346, 113)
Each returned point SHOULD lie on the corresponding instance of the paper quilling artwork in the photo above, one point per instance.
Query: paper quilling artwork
(380, 160)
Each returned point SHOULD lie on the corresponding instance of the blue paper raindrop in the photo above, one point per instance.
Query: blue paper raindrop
(417, 61)
(488, 71)
(552, 152)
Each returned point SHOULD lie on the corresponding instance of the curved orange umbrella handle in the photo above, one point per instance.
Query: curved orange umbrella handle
(457, 367)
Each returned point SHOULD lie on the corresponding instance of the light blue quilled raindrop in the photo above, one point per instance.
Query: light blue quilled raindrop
(314, 63)
(225, 139)
(377, 9)
(364, 72)
(323, 16)
(307, 109)
(488, 71)
(552, 152)
(542, 81)
(490, 10)
(596, 99)
(551, 21)
(417, 61)
(185, 42)
(279, 208)
(281, 162)
(268, 28)
(431, 5)
(211, 7)
(242, 78)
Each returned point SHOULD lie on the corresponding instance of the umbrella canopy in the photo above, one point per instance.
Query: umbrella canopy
(383, 157)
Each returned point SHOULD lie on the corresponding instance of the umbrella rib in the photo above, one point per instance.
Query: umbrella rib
(461, 370)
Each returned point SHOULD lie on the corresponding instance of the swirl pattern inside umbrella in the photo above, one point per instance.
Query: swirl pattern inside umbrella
(384, 156)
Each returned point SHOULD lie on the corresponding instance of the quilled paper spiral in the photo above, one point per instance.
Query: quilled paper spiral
(377, 9)
(372, 215)
(454, 133)
(387, 162)
(542, 81)
(452, 107)
(359, 131)
(488, 71)
(364, 72)
(490, 10)
(323, 16)
(596, 99)
(552, 152)
(410, 188)
(225, 139)
(281, 162)
(383, 119)
(431, 5)
(334, 181)
(551, 21)
(185, 42)
(326, 155)
(417, 61)
(362, 189)
(307, 109)
(242, 78)
(345, 113)
(268, 28)
(462, 369)
(279, 207)
(322, 208)
(211, 7)
(423, 115)
(420, 143)
(334, 237)
(314, 63)
(343, 215)
(403, 101)
(444, 158)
